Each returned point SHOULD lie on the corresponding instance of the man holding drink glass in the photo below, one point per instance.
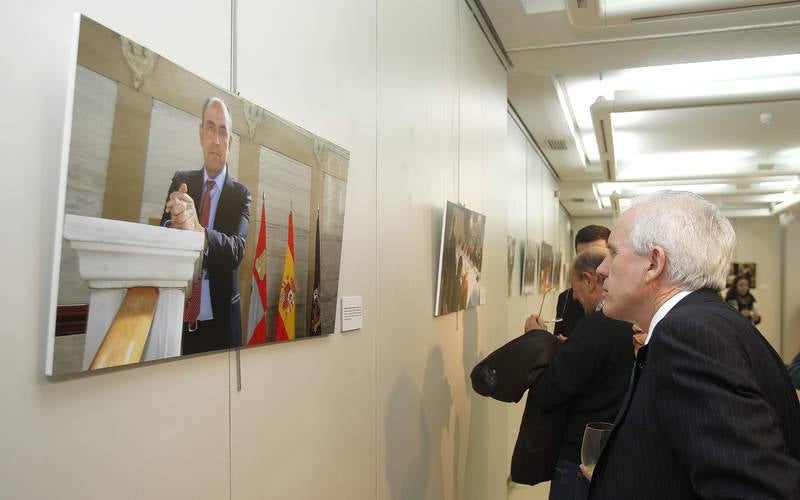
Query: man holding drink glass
(710, 412)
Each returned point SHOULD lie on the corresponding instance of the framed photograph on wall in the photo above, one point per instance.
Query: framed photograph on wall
(530, 256)
(190, 219)
(741, 270)
(557, 274)
(460, 260)
(512, 263)
(545, 268)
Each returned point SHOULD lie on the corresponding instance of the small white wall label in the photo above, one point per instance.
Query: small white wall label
(352, 313)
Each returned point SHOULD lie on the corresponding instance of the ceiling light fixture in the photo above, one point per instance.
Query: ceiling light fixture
(593, 13)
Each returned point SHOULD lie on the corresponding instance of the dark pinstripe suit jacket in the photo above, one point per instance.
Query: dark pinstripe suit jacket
(712, 414)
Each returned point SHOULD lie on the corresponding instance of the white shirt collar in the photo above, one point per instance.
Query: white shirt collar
(663, 310)
(219, 180)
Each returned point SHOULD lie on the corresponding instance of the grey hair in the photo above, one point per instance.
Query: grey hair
(589, 260)
(228, 118)
(697, 239)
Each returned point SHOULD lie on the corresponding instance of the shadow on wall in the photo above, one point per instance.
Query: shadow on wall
(415, 425)
(475, 477)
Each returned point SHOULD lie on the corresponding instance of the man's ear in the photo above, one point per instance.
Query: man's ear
(657, 264)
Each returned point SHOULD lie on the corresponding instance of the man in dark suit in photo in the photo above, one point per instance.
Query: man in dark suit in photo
(710, 412)
(568, 309)
(209, 200)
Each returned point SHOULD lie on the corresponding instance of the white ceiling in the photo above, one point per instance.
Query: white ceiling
(724, 152)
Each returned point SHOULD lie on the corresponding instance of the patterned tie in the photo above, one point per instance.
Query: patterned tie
(192, 309)
(636, 372)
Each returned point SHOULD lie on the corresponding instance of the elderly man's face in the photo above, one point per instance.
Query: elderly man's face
(624, 272)
(215, 135)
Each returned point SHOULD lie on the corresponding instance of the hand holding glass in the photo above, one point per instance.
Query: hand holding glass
(594, 439)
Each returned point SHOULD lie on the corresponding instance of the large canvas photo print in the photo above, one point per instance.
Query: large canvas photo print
(460, 259)
(193, 220)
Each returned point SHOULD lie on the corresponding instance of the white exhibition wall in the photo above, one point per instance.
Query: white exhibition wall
(758, 240)
(414, 92)
(791, 289)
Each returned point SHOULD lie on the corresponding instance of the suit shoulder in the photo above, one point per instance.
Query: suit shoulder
(241, 191)
(186, 173)
(240, 187)
(711, 327)
(184, 176)
(599, 321)
(705, 314)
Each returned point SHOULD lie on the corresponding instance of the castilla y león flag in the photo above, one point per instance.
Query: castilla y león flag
(284, 328)
(257, 324)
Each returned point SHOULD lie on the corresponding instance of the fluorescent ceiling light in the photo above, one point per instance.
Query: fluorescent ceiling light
(541, 6)
(664, 76)
(752, 190)
(778, 185)
(789, 202)
(632, 164)
(632, 189)
(793, 153)
(731, 77)
(681, 89)
(748, 74)
(629, 120)
(590, 146)
(593, 13)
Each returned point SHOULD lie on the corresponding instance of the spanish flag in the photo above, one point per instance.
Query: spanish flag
(284, 328)
(257, 324)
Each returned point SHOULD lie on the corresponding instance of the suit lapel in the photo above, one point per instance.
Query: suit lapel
(636, 372)
(195, 187)
(221, 218)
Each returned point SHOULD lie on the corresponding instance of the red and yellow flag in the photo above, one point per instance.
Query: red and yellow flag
(257, 324)
(284, 328)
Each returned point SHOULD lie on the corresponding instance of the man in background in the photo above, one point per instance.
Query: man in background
(212, 316)
(588, 376)
(568, 309)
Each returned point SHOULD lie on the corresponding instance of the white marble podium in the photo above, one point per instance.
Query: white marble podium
(114, 256)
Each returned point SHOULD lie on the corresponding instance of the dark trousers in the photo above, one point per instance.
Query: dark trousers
(211, 335)
(568, 482)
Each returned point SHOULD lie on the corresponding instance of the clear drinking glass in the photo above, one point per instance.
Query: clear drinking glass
(594, 439)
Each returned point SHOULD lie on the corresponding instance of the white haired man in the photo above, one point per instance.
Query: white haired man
(711, 412)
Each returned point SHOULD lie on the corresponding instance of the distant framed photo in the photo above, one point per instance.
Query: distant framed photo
(460, 259)
(512, 259)
(557, 274)
(530, 257)
(546, 259)
(741, 270)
